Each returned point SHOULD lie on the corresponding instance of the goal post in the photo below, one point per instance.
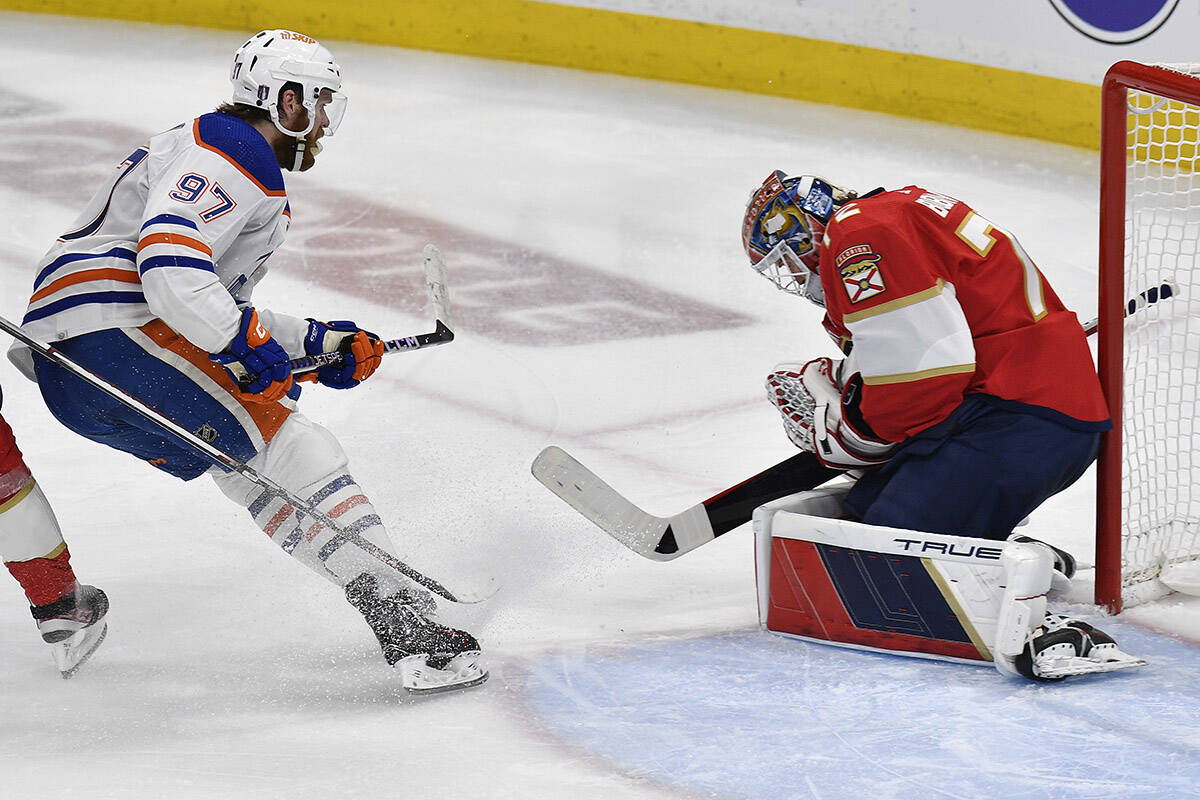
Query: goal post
(1147, 509)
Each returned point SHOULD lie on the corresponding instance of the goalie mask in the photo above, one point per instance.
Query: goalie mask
(273, 60)
(782, 230)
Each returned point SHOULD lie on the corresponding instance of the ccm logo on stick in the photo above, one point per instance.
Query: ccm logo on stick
(949, 549)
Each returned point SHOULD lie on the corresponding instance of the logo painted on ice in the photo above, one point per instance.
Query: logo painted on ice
(1115, 21)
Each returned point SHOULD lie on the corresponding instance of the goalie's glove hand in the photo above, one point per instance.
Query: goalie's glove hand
(795, 404)
(361, 352)
(256, 361)
(810, 398)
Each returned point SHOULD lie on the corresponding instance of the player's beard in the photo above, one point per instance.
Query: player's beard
(312, 148)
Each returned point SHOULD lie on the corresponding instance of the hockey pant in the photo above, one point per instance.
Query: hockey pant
(31, 542)
(978, 473)
(308, 461)
(171, 375)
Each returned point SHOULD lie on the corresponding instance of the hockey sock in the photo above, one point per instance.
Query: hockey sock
(309, 461)
(44, 580)
(31, 544)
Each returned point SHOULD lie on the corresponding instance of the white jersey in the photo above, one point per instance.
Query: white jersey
(181, 232)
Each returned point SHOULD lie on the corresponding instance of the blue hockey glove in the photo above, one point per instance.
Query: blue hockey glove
(361, 352)
(261, 363)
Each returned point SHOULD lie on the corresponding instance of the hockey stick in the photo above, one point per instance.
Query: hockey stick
(1149, 297)
(436, 283)
(223, 459)
(667, 538)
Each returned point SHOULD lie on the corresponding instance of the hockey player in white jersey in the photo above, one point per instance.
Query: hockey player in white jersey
(151, 290)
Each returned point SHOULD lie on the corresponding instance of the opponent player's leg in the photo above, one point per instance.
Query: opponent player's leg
(69, 616)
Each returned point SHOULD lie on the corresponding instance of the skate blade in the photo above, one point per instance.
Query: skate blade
(461, 672)
(71, 654)
(1066, 667)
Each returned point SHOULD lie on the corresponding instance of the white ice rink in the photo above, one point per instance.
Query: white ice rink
(591, 227)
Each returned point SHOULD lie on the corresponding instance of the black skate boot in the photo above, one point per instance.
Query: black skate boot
(74, 626)
(430, 657)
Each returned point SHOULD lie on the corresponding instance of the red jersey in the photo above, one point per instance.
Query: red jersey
(939, 303)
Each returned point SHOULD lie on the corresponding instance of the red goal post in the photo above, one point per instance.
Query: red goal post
(1147, 511)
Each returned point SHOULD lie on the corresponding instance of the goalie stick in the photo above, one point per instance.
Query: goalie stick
(1149, 297)
(223, 459)
(667, 538)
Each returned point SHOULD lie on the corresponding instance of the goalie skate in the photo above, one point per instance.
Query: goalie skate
(74, 627)
(429, 657)
(1061, 647)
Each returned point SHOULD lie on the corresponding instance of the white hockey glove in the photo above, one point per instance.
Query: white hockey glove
(810, 399)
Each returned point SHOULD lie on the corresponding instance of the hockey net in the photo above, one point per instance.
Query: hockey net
(1148, 495)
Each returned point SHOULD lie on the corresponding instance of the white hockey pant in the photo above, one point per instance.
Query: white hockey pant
(308, 460)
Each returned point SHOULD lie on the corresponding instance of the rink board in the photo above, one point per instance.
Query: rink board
(755, 715)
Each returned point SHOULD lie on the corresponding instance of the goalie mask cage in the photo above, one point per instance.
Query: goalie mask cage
(1148, 506)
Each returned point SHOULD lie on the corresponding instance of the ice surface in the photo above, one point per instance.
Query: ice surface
(590, 226)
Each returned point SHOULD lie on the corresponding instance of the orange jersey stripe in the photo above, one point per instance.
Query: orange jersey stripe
(176, 239)
(122, 275)
(269, 417)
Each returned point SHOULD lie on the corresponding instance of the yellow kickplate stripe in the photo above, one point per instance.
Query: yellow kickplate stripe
(957, 608)
(18, 497)
(937, 89)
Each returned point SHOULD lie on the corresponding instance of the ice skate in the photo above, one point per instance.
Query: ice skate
(430, 657)
(74, 626)
(1062, 646)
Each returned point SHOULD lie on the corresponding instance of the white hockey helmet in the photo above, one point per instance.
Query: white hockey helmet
(783, 227)
(270, 60)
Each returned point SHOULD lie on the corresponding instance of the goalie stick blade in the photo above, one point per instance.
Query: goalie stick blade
(583, 491)
(667, 538)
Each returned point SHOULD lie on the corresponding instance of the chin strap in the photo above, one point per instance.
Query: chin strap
(301, 144)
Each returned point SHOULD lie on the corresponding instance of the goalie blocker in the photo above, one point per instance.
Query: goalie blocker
(906, 592)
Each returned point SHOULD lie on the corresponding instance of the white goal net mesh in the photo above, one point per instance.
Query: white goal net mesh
(1161, 439)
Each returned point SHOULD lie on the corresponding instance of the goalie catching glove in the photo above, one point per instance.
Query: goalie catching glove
(361, 353)
(813, 403)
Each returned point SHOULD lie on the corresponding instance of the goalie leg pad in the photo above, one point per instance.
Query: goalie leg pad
(1027, 575)
(857, 585)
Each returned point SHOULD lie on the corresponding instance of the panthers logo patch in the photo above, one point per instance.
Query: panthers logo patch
(862, 276)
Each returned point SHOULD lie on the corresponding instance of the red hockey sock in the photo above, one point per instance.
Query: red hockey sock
(44, 579)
